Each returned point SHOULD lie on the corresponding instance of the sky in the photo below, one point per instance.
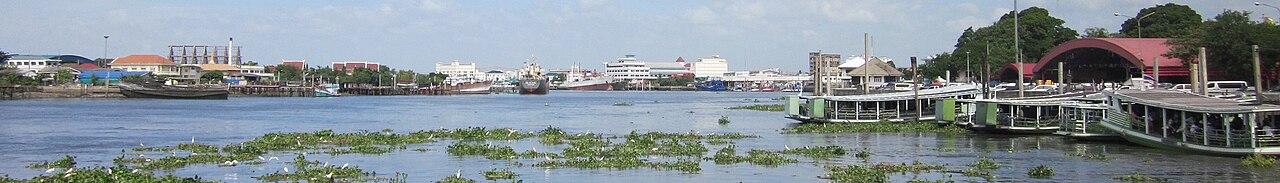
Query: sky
(416, 34)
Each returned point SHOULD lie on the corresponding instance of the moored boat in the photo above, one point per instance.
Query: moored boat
(1029, 115)
(532, 81)
(601, 83)
(153, 90)
(1184, 121)
(1083, 121)
(899, 106)
(711, 85)
(327, 90)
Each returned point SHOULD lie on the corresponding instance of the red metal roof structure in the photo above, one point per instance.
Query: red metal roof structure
(1012, 69)
(142, 60)
(1140, 52)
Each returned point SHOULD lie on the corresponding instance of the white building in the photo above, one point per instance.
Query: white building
(629, 69)
(499, 75)
(29, 65)
(712, 67)
(156, 64)
(668, 69)
(459, 73)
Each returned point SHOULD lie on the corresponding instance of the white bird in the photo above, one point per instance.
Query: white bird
(286, 169)
(459, 174)
(148, 159)
(535, 149)
(330, 175)
(134, 171)
(173, 153)
(228, 163)
(326, 164)
(140, 155)
(50, 170)
(654, 149)
(195, 154)
(108, 171)
(344, 165)
(68, 175)
(143, 145)
(69, 170)
(261, 158)
(273, 158)
(548, 157)
(193, 139)
(785, 146)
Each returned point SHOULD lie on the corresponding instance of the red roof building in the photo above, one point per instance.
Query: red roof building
(300, 64)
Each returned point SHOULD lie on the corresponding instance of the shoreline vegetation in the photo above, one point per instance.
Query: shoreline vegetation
(683, 152)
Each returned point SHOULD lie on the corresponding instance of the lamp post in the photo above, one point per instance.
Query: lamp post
(1265, 4)
(1139, 22)
(968, 75)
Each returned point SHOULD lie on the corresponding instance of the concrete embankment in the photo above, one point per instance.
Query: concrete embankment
(29, 92)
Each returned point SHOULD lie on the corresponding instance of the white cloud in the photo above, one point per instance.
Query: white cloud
(701, 15)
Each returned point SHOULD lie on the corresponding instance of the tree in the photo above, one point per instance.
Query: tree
(1096, 32)
(250, 63)
(212, 76)
(288, 73)
(1038, 32)
(1170, 20)
(1228, 40)
(63, 76)
(4, 56)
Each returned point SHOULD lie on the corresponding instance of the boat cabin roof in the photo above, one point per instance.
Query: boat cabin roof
(1190, 102)
(948, 91)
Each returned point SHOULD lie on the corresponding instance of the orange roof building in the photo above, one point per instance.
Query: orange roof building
(156, 64)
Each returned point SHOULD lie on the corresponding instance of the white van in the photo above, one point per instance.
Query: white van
(1226, 87)
(903, 86)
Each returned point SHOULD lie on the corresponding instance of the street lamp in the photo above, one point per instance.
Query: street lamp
(968, 75)
(1255, 3)
(1139, 22)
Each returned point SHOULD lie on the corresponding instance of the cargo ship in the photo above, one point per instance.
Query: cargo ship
(532, 81)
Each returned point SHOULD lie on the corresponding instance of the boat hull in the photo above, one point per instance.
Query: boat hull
(595, 87)
(532, 86)
(161, 94)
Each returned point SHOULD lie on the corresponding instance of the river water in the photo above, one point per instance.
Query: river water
(96, 130)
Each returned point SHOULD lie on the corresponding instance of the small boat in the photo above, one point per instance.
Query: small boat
(1184, 121)
(327, 90)
(532, 81)
(711, 85)
(601, 83)
(1029, 115)
(160, 91)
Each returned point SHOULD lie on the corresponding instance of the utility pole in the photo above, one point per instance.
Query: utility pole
(915, 76)
(986, 72)
(1257, 76)
(866, 60)
(1204, 72)
(1018, 57)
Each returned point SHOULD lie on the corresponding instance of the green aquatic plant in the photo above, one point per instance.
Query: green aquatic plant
(863, 154)
(930, 181)
(1138, 177)
(488, 151)
(767, 158)
(495, 174)
(67, 161)
(984, 164)
(726, 156)
(620, 163)
(1041, 172)
(718, 142)
(1258, 160)
(892, 127)
(823, 152)
(455, 179)
(915, 166)
(762, 107)
(198, 148)
(855, 173)
(724, 120)
(104, 174)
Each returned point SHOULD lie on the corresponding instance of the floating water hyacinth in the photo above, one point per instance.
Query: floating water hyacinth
(762, 107)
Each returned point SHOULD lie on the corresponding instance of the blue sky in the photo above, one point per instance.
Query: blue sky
(416, 34)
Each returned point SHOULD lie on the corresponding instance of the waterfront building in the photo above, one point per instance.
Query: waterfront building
(458, 72)
(155, 64)
(351, 66)
(710, 67)
(825, 68)
(30, 65)
(628, 69)
(300, 64)
(876, 72)
(669, 69)
(496, 74)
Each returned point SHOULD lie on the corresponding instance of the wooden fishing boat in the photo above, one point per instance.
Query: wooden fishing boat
(158, 91)
(1184, 121)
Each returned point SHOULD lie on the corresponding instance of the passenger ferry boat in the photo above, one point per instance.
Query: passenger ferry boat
(1031, 115)
(898, 106)
(1177, 120)
(1083, 121)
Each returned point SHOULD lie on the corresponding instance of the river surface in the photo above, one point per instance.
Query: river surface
(96, 130)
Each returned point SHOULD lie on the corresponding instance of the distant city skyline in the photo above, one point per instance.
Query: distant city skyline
(415, 35)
